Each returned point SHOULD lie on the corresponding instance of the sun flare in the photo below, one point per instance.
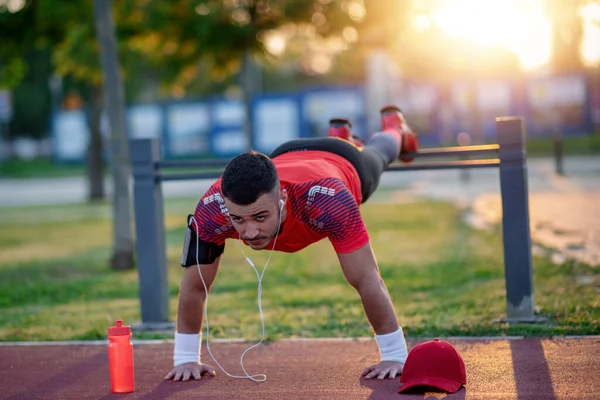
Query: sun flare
(520, 25)
(590, 46)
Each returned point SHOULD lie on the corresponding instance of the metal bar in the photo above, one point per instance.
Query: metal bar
(150, 232)
(462, 164)
(518, 270)
(432, 152)
(458, 150)
(189, 176)
(459, 164)
(191, 163)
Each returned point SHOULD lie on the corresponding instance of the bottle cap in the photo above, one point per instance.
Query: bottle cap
(119, 329)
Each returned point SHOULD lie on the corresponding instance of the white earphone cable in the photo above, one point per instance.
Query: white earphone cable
(256, 377)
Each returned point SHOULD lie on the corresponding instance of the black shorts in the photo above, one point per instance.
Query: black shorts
(368, 164)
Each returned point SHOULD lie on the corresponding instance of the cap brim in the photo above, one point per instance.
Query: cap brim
(447, 385)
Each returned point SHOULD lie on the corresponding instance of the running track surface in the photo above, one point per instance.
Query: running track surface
(567, 368)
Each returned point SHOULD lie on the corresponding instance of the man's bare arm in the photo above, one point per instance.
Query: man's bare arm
(361, 271)
(190, 308)
(190, 312)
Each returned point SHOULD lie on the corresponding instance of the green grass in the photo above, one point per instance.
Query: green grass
(42, 167)
(444, 278)
(588, 144)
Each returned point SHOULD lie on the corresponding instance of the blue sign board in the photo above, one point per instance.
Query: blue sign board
(228, 137)
(275, 120)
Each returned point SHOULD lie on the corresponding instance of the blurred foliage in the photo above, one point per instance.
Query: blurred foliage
(12, 71)
(31, 98)
(192, 43)
(167, 49)
(186, 48)
(16, 41)
(430, 54)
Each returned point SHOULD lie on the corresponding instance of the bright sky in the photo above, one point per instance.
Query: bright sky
(590, 48)
(12, 5)
(521, 25)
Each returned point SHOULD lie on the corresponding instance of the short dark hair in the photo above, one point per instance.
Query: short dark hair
(247, 177)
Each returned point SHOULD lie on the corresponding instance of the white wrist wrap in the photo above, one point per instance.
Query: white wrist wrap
(392, 346)
(187, 348)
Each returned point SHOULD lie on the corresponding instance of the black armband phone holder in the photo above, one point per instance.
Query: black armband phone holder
(197, 251)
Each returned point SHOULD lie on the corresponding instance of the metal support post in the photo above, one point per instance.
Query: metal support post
(558, 154)
(150, 234)
(518, 269)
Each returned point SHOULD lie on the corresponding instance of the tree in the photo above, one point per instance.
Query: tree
(42, 27)
(16, 42)
(192, 41)
(115, 105)
(23, 70)
(68, 32)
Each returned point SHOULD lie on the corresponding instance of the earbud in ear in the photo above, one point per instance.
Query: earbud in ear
(281, 204)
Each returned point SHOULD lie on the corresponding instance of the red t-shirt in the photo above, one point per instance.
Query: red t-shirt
(323, 201)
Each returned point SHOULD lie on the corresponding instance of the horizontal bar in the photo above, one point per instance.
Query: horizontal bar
(457, 150)
(459, 164)
(191, 163)
(189, 176)
(431, 152)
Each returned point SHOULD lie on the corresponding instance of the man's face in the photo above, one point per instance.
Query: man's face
(256, 223)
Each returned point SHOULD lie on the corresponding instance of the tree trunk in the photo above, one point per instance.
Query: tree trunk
(95, 170)
(119, 154)
(251, 82)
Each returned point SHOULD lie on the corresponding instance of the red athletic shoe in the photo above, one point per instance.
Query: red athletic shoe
(392, 118)
(341, 128)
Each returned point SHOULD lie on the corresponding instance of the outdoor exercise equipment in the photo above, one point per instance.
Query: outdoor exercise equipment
(508, 155)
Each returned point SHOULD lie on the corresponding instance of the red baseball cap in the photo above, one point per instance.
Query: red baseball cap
(434, 364)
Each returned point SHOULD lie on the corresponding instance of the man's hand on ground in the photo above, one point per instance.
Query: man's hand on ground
(385, 369)
(186, 371)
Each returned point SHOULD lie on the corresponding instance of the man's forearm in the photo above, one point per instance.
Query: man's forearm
(361, 271)
(190, 310)
(378, 306)
(192, 293)
(382, 316)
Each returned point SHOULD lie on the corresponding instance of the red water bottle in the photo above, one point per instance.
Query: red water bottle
(120, 358)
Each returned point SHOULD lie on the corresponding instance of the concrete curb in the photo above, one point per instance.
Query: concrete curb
(357, 339)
